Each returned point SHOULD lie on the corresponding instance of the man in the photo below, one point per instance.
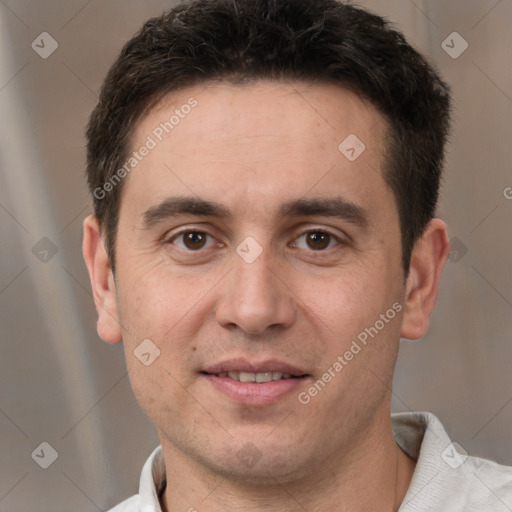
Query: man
(265, 176)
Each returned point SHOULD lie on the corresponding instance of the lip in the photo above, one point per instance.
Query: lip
(243, 365)
(250, 393)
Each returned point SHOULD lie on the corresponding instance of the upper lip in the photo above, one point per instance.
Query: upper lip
(243, 365)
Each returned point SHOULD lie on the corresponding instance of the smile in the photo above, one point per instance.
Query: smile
(250, 383)
(259, 377)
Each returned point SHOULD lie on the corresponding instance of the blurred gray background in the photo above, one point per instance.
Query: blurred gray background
(61, 384)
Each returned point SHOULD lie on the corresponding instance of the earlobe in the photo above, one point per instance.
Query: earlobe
(102, 281)
(428, 258)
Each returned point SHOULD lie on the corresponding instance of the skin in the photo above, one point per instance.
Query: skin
(252, 148)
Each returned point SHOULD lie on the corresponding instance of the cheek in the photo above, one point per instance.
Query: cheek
(152, 300)
(168, 310)
(346, 300)
(157, 316)
(357, 314)
(160, 391)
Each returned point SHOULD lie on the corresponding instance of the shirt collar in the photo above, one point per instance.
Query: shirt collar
(152, 482)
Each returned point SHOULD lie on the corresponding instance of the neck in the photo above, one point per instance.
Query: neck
(374, 474)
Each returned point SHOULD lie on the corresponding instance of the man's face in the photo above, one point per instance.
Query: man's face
(262, 289)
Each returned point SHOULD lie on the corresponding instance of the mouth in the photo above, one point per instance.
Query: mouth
(250, 383)
(259, 378)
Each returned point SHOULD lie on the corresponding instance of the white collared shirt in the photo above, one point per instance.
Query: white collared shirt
(446, 479)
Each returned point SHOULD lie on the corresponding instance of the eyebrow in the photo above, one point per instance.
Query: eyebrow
(176, 206)
(336, 207)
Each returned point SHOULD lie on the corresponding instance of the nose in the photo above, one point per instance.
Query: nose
(255, 297)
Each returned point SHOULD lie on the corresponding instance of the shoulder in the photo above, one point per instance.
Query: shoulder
(447, 477)
(488, 482)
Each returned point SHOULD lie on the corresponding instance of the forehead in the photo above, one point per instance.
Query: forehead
(222, 109)
(257, 141)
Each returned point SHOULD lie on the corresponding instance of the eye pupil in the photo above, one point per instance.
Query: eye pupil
(318, 238)
(194, 240)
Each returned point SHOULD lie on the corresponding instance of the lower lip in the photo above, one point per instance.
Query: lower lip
(250, 393)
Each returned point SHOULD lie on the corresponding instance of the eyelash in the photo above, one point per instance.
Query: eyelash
(309, 231)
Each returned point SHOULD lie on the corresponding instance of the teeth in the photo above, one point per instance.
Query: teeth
(255, 377)
(264, 377)
(247, 377)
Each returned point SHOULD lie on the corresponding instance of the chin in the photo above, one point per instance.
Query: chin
(259, 463)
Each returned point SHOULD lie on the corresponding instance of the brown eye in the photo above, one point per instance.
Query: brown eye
(318, 240)
(194, 240)
(191, 240)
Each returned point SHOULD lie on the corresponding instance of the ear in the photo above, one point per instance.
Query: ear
(102, 281)
(427, 261)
